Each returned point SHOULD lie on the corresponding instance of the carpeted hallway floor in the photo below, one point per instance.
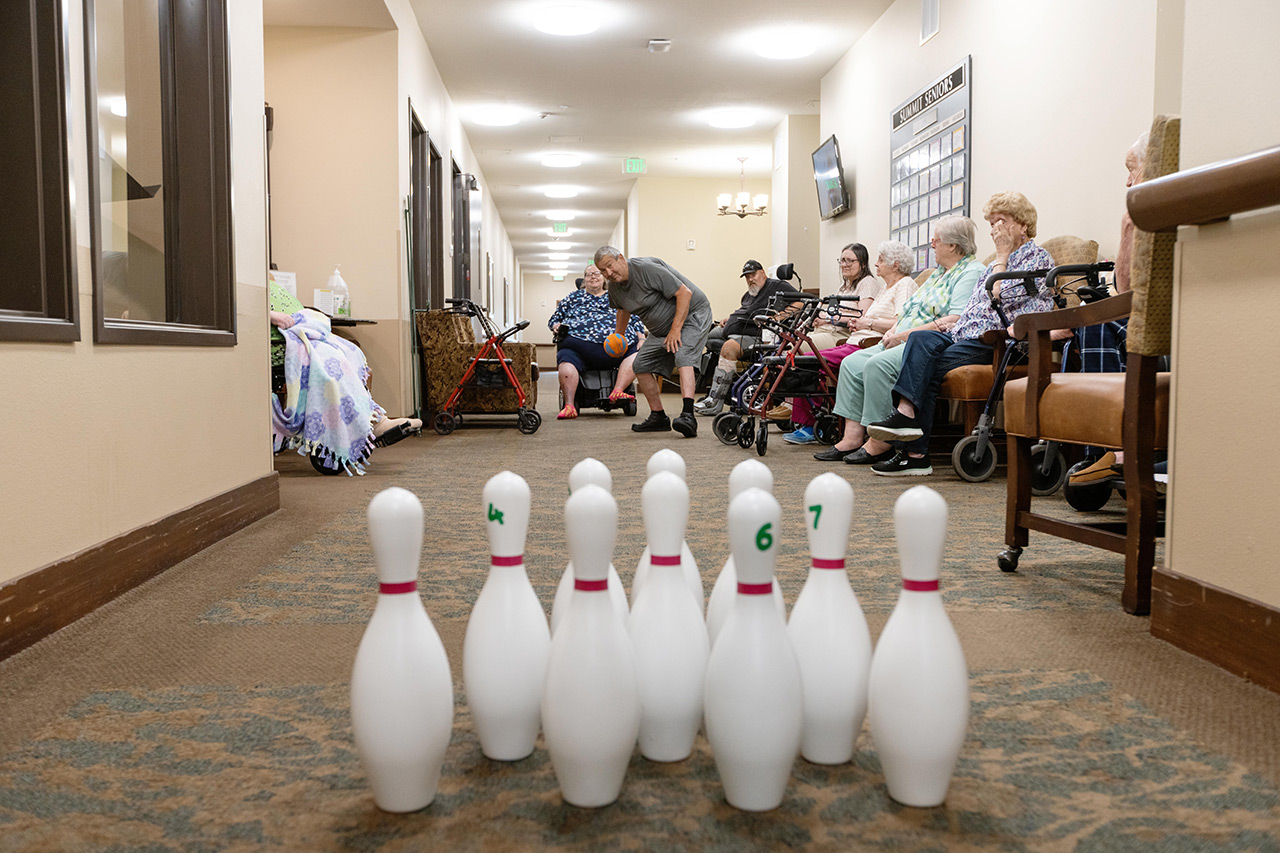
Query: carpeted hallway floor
(208, 709)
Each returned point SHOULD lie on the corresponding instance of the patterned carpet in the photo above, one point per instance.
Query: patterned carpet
(1056, 758)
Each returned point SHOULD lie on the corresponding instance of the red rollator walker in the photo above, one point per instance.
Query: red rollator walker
(490, 368)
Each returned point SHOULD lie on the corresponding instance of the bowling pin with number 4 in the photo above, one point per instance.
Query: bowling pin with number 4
(401, 688)
(504, 652)
(919, 686)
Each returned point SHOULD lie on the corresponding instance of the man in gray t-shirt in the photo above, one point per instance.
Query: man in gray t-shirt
(678, 317)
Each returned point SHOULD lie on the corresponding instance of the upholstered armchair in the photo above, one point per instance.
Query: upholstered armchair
(1126, 411)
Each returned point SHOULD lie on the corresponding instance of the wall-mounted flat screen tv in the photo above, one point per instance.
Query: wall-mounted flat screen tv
(829, 177)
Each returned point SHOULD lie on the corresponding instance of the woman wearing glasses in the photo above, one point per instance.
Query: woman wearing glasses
(856, 278)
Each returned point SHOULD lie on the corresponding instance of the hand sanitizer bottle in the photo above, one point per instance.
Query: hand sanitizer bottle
(341, 295)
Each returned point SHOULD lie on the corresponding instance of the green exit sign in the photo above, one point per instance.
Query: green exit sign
(560, 227)
(634, 166)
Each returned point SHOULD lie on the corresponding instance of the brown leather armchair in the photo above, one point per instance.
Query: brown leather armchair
(1124, 411)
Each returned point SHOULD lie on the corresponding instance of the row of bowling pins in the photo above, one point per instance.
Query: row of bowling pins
(768, 691)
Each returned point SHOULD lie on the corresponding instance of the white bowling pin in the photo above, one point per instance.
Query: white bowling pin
(747, 474)
(668, 460)
(591, 705)
(667, 631)
(919, 686)
(754, 705)
(401, 687)
(828, 631)
(587, 471)
(504, 652)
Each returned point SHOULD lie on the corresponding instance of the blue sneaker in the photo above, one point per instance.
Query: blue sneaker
(803, 435)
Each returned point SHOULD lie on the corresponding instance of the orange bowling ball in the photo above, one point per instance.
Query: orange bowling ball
(615, 345)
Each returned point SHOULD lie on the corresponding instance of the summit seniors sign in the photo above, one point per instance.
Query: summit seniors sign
(929, 148)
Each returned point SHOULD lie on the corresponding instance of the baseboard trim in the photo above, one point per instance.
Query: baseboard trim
(1236, 633)
(39, 603)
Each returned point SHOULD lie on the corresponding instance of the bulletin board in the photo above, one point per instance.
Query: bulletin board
(929, 170)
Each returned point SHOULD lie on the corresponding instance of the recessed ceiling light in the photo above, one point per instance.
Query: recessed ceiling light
(732, 118)
(560, 191)
(497, 116)
(570, 19)
(559, 246)
(560, 215)
(558, 256)
(562, 161)
(786, 45)
(559, 265)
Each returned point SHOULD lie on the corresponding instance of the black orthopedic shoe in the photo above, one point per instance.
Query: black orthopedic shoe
(656, 422)
(896, 427)
(686, 424)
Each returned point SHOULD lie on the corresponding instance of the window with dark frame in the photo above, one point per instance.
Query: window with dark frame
(160, 222)
(38, 288)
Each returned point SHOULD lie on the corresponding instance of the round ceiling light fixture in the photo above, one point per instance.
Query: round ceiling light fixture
(560, 191)
(566, 19)
(559, 246)
(731, 118)
(560, 215)
(562, 161)
(497, 116)
(558, 256)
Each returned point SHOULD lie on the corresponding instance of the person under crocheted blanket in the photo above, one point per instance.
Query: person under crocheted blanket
(328, 410)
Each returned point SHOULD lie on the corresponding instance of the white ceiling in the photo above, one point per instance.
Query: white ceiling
(605, 97)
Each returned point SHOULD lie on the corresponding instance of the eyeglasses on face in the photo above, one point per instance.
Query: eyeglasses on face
(843, 261)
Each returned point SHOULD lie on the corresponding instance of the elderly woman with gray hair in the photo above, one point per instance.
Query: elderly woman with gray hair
(894, 264)
(863, 392)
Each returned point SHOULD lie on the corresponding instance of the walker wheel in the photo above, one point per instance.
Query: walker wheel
(1007, 560)
(746, 433)
(530, 420)
(444, 423)
(1046, 484)
(762, 439)
(968, 465)
(827, 429)
(725, 427)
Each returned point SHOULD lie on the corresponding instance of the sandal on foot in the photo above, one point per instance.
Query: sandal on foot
(567, 413)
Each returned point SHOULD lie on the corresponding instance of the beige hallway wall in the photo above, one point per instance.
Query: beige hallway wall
(1223, 500)
(1060, 91)
(106, 439)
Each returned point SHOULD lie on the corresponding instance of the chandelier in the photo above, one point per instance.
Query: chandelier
(744, 205)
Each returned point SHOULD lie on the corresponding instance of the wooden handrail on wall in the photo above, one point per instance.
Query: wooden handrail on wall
(1207, 193)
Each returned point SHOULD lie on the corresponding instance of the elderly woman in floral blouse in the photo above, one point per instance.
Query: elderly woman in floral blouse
(587, 319)
(930, 355)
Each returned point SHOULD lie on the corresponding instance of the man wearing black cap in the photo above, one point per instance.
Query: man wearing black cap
(740, 332)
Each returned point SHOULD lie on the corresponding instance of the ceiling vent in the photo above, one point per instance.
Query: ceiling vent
(659, 45)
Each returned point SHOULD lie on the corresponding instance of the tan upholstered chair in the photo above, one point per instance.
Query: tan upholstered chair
(448, 344)
(1124, 411)
(971, 385)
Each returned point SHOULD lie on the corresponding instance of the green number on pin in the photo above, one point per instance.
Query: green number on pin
(494, 514)
(764, 538)
(816, 509)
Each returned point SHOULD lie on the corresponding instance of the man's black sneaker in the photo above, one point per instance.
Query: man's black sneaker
(685, 424)
(656, 422)
(896, 427)
(902, 465)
